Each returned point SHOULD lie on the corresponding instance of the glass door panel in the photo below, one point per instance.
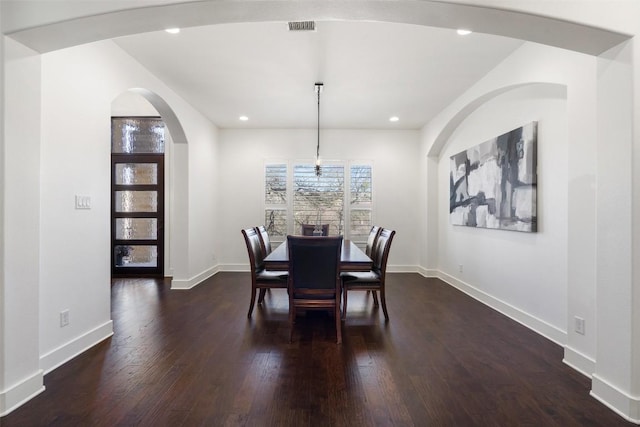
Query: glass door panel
(136, 256)
(136, 174)
(137, 135)
(136, 201)
(137, 196)
(136, 228)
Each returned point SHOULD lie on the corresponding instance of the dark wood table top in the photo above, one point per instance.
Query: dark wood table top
(352, 258)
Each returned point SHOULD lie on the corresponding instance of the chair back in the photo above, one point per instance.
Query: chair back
(380, 253)
(314, 263)
(265, 241)
(254, 247)
(308, 229)
(371, 241)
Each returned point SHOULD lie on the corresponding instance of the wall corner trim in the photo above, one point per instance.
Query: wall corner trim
(21, 393)
(579, 361)
(428, 272)
(628, 407)
(184, 284)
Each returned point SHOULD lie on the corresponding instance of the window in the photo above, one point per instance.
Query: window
(360, 202)
(341, 197)
(319, 199)
(276, 200)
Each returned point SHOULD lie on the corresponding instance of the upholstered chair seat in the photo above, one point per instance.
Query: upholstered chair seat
(265, 275)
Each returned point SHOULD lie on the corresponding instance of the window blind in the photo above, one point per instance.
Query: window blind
(360, 202)
(294, 195)
(319, 199)
(275, 196)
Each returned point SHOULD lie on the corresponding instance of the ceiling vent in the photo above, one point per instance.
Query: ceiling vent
(302, 26)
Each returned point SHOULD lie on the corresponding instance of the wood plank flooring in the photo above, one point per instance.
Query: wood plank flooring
(192, 358)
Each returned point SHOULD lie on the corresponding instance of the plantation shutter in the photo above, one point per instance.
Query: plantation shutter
(319, 200)
(275, 197)
(360, 200)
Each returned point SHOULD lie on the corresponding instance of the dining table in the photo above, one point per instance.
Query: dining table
(352, 258)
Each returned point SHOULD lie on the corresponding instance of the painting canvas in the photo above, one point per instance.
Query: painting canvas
(493, 185)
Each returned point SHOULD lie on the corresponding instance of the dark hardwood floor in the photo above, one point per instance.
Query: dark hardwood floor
(190, 358)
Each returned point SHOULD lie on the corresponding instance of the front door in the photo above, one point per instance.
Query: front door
(137, 196)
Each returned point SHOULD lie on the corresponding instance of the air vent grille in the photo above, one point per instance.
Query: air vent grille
(302, 26)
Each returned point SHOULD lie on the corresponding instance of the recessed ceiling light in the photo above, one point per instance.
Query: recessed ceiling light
(243, 118)
(173, 30)
(464, 32)
(394, 118)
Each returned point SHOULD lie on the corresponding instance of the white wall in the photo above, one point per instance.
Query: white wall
(189, 169)
(20, 349)
(532, 64)
(3, 303)
(205, 243)
(395, 181)
(525, 270)
(132, 104)
(600, 275)
(78, 87)
(196, 169)
(616, 377)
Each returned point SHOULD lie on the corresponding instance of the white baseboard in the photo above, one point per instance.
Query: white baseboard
(428, 272)
(390, 268)
(628, 407)
(235, 268)
(195, 280)
(20, 393)
(403, 269)
(578, 361)
(66, 352)
(537, 325)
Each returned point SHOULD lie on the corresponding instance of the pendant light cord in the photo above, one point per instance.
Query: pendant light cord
(317, 167)
(319, 89)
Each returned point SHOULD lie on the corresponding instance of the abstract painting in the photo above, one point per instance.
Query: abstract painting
(493, 185)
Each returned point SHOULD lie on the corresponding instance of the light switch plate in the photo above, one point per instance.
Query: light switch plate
(83, 202)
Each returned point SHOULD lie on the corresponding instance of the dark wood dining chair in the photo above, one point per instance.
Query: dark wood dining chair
(371, 243)
(371, 240)
(314, 277)
(265, 241)
(260, 278)
(308, 229)
(373, 280)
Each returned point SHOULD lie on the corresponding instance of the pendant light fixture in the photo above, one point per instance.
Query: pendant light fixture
(318, 87)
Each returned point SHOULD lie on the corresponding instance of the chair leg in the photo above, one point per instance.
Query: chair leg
(338, 321)
(384, 304)
(344, 303)
(253, 300)
(261, 297)
(375, 297)
(291, 318)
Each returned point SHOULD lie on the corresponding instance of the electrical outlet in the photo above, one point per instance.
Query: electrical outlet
(579, 325)
(64, 318)
(460, 268)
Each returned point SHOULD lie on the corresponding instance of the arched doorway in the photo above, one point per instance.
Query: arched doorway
(140, 142)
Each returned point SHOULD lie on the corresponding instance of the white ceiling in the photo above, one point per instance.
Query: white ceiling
(376, 58)
(370, 70)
